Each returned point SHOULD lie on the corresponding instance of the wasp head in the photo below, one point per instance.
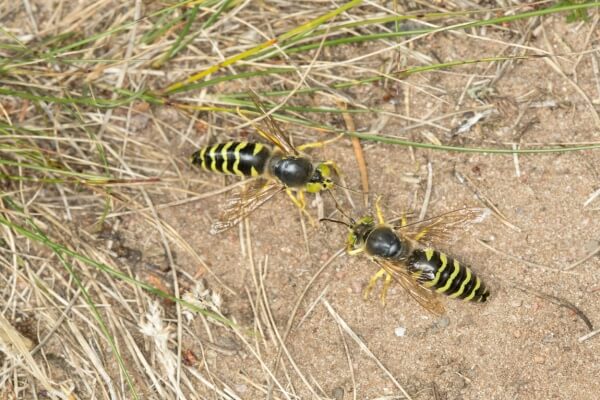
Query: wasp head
(320, 179)
(355, 243)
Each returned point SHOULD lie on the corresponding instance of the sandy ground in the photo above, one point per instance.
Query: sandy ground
(517, 346)
(520, 345)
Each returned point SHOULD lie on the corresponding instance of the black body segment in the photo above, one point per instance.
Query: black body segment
(435, 270)
(233, 158)
(383, 242)
(292, 171)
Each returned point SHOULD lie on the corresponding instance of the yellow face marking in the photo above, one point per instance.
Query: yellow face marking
(313, 187)
(435, 280)
(325, 183)
(202, 154)
(451, 278)
(236, 163)
(464, 284)
(428, 254)
(257, 148)
(472, 295)
(254, 172)
(224, 155)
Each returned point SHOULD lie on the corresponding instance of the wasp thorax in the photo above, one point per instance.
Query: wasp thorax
(383, 242)
(292, 171)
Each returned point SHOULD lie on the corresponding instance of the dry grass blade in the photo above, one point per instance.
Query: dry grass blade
(591, 198)
(428, 188)
(282, 344)
(11, 339)
(349, 358)
(556, 67)
(17, 347)
(290, 321)
(582, 260)
(589, 336)
(362, 345)
(521, 260)
(358, 154)
(465, 180)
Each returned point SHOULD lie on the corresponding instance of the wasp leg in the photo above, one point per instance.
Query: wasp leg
(422, 233)
(333, 166)
(300, 202)
(373, 281)
(319, 143)
(379, 212)
(355, 251)
(403, 219)
(386, 286)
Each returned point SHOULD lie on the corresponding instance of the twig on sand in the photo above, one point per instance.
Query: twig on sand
(560, 302)
(584, 259)
(588, 335)
(465, 180)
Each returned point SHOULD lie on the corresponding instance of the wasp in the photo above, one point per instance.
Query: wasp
(404, 254)
(279, 168)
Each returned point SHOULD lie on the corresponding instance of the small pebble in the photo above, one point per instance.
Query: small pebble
(549, 338)
(357, 286)
(539, 359)
(443, 322)
(338, 393)
(400, 331)
(241, 388)
(591, 246)
(516, 303)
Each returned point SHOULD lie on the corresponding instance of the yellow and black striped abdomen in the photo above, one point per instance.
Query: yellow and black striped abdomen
(446, 275)
(233, 158)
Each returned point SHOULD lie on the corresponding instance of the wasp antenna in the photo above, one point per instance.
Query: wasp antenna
(337, 206)
(337, 221)
(347, 188)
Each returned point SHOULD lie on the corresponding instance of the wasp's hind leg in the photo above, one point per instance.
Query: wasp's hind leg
(373, 281)
(300, 202)
(378, 211)
(333, 165)
(320, 143)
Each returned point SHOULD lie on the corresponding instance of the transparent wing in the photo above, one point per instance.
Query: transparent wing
(273, 134)
(445, 228)
(244, 202)
(425, 297)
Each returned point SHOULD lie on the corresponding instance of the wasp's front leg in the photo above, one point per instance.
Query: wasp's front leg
(373, 281)
(300, 201)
